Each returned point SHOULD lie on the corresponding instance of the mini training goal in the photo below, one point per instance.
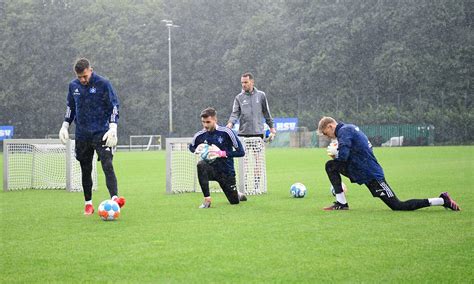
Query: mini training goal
(181, 171)
(42, 164)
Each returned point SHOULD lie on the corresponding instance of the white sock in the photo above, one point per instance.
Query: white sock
(114, 197)
(89, 202)
(341, 198)
(436, 201)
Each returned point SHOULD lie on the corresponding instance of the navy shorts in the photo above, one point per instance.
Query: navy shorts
(85, 151)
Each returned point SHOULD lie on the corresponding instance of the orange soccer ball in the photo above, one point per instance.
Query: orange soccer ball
(109, 210)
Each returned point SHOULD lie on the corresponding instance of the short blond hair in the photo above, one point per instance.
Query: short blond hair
(324, 122)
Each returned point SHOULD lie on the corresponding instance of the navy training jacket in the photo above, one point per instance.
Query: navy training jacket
(355, 149)
(92, 107)
(226, 140)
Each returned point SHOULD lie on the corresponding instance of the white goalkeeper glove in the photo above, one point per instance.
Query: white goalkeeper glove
(271, 137)
(110, 137)
(332, 149)
(200, 148)
(215, 152)
(64, 133)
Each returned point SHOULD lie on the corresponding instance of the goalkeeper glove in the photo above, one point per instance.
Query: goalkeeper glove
(332, 149)
(64, 133)
(215, 152)
(269, 135)
(221, 154)
(110, 137)
(200, 148)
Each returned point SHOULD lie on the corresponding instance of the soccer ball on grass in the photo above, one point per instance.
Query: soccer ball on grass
(109, 210)
(298, 190)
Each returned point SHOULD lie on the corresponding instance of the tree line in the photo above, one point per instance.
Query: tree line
(364, 62)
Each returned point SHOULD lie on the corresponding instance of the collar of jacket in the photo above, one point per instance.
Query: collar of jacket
(338, 126)
(92, 79)
(250, 93)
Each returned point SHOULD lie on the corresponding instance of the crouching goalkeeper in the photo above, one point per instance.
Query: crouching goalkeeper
(217, 146)
(355, 159)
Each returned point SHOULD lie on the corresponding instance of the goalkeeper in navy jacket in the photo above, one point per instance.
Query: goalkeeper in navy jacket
(93, 106)
(353, 157)
(217, 146)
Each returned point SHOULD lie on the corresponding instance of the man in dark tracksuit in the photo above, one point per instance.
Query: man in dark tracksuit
(93, 106)
(355, 159)
(218, 165)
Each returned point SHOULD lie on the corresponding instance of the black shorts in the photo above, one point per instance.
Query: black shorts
(85, 151)
(380, 188)
(227, 181)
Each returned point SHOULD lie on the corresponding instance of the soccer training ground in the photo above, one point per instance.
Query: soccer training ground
(270, 238)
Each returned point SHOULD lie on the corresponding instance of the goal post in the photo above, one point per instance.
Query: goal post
(42, 164)
(144, 142)
(252, 167)
(181, 171)
(72, 136)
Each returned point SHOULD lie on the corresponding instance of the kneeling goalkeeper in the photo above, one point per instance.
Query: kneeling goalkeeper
(355, 159)
(218, 146)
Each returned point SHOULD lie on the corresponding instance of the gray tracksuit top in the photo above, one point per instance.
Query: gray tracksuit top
(250, 109)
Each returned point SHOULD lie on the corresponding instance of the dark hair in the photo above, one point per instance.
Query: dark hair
(248, 74)
(81, 65)
(208, 112)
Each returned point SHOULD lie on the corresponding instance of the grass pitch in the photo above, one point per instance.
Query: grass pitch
(270, 238)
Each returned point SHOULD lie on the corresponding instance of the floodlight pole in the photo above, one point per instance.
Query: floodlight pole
(170, 25)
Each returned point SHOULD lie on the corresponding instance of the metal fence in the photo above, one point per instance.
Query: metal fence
(413, 135)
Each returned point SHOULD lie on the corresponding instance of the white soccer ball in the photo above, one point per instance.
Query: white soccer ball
(109, 210)
(206, 152)
(344, 189)
(298, 190)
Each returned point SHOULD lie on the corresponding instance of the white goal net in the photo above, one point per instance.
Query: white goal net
(181, 171)
(42, 164)
(252, 167)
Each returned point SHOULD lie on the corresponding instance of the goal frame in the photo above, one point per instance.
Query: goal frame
(151, 138)
(69, 157)
(240, 164)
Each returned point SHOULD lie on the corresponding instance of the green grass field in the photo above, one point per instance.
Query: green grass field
(270, 238)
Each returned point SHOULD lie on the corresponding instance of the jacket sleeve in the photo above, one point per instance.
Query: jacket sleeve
(194, 143)
(234, 116)
(344, 141)
(192, 147)
(239, 150)
(70, 107)
(114, 102)
(266, 111)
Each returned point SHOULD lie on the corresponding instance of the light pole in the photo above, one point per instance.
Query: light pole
(170, 25)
